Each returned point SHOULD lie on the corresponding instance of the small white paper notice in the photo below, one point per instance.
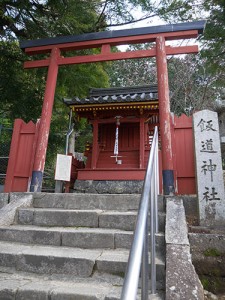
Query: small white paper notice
(63, 167)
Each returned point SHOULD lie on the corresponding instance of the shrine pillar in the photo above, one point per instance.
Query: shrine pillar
(42, 140)
(142, 143)
(94, 145)
(164, 116)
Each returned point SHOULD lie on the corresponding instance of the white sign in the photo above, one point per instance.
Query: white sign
(209, 168)
(63, 167)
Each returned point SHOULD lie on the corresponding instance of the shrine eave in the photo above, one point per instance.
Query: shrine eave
(147, 105)
(187, 26)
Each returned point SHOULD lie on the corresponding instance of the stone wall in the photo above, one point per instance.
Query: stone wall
(182, 281)
(108, 186)
(11, 202)
(208, 256)
(4, 199)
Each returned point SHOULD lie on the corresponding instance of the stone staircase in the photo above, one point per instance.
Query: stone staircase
(72, 246)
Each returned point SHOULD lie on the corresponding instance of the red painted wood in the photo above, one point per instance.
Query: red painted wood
(164, 104)
(146, 38)
(184, 155)
(186, 186)
(183, 122)
(95, 149)
(36, 63)
(12, 156)
(128, 137)
(122, 120)
(142, 142)
(20, 158)
(110, 174)
(130, 159)
(42, 140)
(111, 56)
(105, 49)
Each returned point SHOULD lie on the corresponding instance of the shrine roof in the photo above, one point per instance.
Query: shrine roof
(116, 95)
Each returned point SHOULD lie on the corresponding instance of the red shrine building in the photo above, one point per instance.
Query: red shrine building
(123, 121)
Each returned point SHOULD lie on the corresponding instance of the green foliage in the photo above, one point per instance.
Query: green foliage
(21, 94)
(84, 133)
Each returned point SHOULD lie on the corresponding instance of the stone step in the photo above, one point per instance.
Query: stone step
(87, 238)
(119, 202)
(125, 220)
(27, 287)
(81, 218)
(65, 260)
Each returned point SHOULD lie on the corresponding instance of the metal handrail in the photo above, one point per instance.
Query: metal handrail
(139, 249)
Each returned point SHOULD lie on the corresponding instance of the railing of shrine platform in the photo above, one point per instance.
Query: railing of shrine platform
(139, 253)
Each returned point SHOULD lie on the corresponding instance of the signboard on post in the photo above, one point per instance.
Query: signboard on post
(63, 167)
(210, 183)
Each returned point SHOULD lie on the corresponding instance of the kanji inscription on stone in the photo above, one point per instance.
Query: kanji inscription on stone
(210, 185)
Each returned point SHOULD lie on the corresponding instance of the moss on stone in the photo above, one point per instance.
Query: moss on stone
(205, 283)
(212, 252)
(213, 284)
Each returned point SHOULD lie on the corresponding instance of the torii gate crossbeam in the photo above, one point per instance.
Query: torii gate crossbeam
(105, 40)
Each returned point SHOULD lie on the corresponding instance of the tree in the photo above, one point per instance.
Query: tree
(30, 19)
(133, 71)
(191, 86)
(212, 42)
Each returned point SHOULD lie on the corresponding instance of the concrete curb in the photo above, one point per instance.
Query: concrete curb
(182, 281)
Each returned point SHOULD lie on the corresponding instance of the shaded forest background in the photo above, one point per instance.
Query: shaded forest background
(196, 81)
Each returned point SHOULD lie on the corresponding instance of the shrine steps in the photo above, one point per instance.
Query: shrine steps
(72, 246)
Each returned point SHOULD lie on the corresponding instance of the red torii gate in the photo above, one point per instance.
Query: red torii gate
(105, 40)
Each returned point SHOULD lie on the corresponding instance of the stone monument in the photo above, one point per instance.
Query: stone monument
(209, 175)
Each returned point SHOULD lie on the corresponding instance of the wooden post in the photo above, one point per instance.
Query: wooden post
(94, 145)
(142, 143)
(164, 116)
(42, 140)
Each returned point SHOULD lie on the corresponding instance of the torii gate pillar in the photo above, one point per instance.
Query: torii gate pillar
(164, 116)
(42, 142)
